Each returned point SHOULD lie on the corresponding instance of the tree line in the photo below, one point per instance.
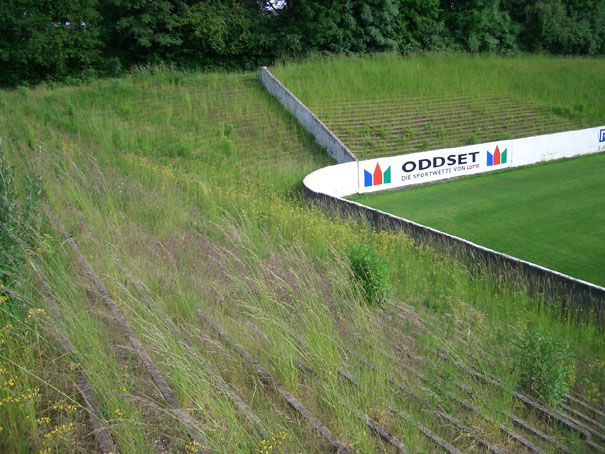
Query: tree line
(59, 40)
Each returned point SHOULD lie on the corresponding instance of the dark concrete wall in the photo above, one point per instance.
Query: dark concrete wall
(570, 293)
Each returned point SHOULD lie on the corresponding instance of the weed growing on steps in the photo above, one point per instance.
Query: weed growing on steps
(19, 220)
(491, 91)
(321, 81)
(371, 272)
(34, 414)
(544, 365)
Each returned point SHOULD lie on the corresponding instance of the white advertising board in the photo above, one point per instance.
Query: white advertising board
(416, 168)
(393, 172)
(532, 150)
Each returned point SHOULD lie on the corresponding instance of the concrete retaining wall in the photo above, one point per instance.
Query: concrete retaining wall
(323, 136)
(559, 288)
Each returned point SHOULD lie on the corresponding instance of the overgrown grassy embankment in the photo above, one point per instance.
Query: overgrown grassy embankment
(183, 193)
(389, 105)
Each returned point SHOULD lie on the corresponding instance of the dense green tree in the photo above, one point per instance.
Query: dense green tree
(560, 27)
(343, 26)
(48, 39)
(422, 22)
(141, 31)
(54, 40)
(304, 25)
(479, 26)
(227, 33)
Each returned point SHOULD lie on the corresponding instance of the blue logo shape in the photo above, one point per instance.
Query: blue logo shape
(367, 178)
(602, 135)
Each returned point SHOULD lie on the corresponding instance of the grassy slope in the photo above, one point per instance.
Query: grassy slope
(323, 81)
(551, 214)
(183, 191)
(389, 105)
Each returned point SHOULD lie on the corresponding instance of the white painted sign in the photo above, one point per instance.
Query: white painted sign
(427, 166)
(339, 180)
(531, 150)
(416, 168)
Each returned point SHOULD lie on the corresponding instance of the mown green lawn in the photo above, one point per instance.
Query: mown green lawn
(551, 214)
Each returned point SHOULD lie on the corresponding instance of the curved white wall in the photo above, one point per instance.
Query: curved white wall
(393, 172)
(339, 180)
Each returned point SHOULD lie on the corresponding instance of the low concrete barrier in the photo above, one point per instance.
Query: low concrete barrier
(323, 136)
(569, 292)
(329, 186)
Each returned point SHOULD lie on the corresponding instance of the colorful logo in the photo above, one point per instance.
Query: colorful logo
(602, 135)
(378, 177)
(495, 158)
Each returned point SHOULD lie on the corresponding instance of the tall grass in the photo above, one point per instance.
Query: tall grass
(37, 405)
(570, 86)
(175, 210)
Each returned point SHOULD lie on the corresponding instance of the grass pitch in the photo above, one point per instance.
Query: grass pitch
(551, 214)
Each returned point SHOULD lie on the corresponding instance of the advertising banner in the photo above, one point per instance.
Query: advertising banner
(393, 172)
(416, 168)
(427, 166)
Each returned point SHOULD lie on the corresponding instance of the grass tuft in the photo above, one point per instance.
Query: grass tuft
(371, 272)
(544, 366)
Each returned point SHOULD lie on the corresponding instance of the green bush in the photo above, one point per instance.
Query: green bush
(544, 365)
(225, 147)
(371, 272)
(227, 129)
